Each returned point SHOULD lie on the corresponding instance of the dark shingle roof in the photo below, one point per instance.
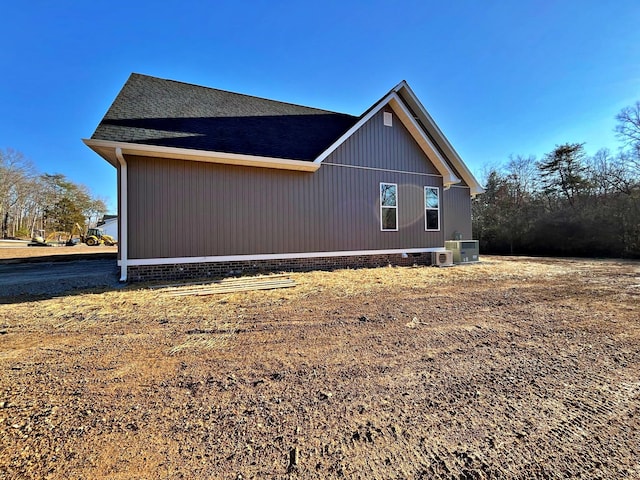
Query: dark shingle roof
(154, 111)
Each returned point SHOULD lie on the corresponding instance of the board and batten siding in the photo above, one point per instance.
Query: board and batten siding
(194, 209)
(456, 202)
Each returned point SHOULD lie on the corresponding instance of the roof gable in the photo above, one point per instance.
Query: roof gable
(375, 145)
(425, 132)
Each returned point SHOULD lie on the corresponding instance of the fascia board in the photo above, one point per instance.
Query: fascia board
(106, 149)
(458, 163)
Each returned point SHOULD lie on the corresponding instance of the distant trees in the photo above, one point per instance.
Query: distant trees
(568, 203)
(51, 202)
(504, 213)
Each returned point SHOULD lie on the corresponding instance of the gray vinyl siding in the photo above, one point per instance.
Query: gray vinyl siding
(193, 209)
(183, 209)
(457, 207)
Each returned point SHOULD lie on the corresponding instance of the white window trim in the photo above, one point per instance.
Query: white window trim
(386, 206)
(427, 209)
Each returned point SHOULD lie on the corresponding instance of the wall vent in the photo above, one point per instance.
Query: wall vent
(388, 119)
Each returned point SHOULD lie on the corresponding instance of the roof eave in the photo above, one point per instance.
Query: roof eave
(106, 149)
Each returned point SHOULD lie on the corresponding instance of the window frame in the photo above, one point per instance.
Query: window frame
(427, 209)
(382, 229)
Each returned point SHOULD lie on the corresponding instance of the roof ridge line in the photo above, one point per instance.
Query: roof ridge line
(240, 94)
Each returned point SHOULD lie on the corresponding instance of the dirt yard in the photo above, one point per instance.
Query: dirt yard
(511, 368)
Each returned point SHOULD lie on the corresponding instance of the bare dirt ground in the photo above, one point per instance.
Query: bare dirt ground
(511, 368)
(49, 271)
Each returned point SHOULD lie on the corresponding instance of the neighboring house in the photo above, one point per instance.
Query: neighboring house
(212, 182)
(109, 224)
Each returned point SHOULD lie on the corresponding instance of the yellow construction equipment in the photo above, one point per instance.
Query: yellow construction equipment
(52, 240)
(93, 237)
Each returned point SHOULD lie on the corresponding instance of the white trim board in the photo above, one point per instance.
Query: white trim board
(383, 170)
(274, 256)
(106, 148)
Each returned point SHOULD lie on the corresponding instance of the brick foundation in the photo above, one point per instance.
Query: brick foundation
(143, 273)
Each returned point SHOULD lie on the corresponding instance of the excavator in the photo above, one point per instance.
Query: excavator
(94, 236)
(52, 240)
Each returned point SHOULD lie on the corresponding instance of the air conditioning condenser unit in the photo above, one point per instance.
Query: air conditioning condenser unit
(442, 259)
(464, 251)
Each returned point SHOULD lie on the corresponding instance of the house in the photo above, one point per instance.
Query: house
(212, 182)
(109, 224)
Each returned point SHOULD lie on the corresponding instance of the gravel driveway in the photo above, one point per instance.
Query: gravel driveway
(55, 278)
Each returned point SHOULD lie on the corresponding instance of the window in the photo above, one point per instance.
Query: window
(388, 207)
(431, 208)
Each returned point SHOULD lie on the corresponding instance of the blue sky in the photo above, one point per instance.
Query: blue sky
(499, 77)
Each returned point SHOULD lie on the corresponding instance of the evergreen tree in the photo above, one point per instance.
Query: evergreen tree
(563, 173)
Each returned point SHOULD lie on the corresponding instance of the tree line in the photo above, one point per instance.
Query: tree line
(568, 203)
(32, 201)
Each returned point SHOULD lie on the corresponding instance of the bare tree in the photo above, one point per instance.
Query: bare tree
(29, 200)
(628, 128)
(16, 172)
(628, 131)
(95, 210)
